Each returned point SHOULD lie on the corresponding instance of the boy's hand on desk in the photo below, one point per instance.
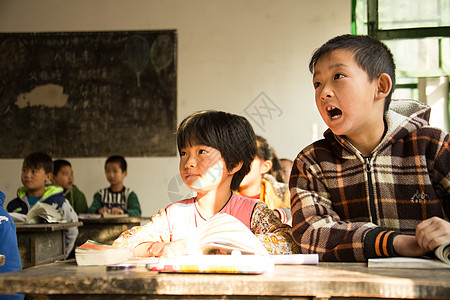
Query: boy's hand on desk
(104, 210)
(406, 245)
(432, 233)
(116, 211)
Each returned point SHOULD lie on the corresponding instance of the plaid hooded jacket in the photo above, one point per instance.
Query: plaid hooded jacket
(347, 207)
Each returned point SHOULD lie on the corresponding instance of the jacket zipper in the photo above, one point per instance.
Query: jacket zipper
(371, 196)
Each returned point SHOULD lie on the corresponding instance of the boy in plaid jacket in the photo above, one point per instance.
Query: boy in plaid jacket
(378, 184)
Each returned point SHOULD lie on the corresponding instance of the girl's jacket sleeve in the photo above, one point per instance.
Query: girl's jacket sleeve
(273, 234)
(156, 230)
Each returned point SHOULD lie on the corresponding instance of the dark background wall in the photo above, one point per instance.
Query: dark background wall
(88, 94)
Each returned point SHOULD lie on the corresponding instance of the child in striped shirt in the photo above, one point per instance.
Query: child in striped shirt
(117, 199)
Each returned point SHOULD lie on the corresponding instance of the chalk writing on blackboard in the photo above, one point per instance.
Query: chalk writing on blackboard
(88, 94)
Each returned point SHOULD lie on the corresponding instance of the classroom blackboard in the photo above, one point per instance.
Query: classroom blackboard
(88, 94)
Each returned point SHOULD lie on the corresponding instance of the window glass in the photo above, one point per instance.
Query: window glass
(394, 14)
(417, 57)
(406, 87)
(360, 17)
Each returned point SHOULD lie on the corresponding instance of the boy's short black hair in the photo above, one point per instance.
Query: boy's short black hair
(117, 159)
(39, 160)
(231, 134)
(370, 54)
(58, 164)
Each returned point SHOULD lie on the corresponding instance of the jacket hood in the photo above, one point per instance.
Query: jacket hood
(401, 111)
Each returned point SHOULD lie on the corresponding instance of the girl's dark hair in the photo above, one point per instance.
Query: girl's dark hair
(117, 159)
(58, 164)
(39, 160)
(231, 134)
(370, 54)
(265, 152)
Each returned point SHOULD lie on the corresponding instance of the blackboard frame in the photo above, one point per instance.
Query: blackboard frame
(88, 94)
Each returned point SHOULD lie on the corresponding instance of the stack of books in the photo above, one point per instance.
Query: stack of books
(93, 253)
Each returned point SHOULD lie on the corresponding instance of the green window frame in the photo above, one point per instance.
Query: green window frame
(366, 20)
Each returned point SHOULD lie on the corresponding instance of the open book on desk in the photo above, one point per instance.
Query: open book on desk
(40, 213)
(241, 251)
(223, 234)
(441, 262)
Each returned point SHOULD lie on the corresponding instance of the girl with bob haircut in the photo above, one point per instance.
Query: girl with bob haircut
(216, 151)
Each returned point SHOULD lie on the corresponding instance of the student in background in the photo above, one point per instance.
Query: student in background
(378, 184)
(286, 165)
(216, 150)
(8, 245)
(264, 182)
(63, 177)
(117, 199)
(36, 171)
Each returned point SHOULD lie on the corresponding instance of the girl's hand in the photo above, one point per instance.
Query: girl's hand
(432, 233)
(143, 249)
(175, 248)
(157, 249)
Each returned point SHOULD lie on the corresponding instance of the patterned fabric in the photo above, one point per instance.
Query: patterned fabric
(126, 200)
(347, 207)
(275, 236)
(276, 195)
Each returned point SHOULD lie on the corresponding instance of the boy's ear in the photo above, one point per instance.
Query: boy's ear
(236, 168)
(384, 86)
(49, 176)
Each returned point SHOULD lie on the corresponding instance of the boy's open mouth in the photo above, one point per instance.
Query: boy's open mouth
(334, 112)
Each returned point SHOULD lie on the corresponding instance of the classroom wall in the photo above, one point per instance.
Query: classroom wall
(233, 55)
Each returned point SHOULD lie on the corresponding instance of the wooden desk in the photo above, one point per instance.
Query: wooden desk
(106, 230)
(41, 243)
(286, 282)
